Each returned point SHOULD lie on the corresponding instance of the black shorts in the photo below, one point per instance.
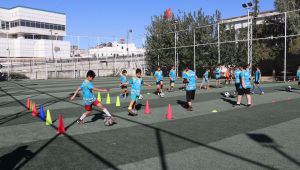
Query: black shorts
(123, 86)
(190, 95)
(237, 86)
(159, 82)
(243, 91)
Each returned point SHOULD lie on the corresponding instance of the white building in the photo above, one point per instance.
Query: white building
(242, 21)
(118, 49)
(27, 33)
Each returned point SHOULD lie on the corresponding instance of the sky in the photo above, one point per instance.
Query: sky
(113, 18)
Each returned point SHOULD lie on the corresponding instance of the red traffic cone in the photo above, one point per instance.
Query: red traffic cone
(34, 113)
(147, 109)
(169, 115)
(61, 126)
(28, 104)
(274, 101)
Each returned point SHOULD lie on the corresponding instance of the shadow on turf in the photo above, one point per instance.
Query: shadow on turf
(183, 104)
(267, 141)
(10, 160)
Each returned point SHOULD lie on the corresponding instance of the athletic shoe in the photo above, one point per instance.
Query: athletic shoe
(236, 105)
(80, 122)
(262, 93)
(249, 105)
(189, 109)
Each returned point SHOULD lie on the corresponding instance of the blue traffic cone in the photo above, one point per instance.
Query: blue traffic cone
(42, 113)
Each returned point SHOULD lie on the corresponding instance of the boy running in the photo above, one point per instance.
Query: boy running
(257, 77)
(245, 87)
(123, 84)
(205, 80)
(172, 77)
(158, 75)
(190, 87)
(89, 99)
(136, 84)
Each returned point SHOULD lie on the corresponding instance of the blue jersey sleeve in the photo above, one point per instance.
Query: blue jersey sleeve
(90, 85)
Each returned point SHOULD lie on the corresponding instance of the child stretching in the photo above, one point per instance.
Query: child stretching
(89, 99)
(136, 83)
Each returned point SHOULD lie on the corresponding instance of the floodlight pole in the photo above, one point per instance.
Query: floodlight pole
(219, 49)
(285, 45)
(175, 58)
(194, 51)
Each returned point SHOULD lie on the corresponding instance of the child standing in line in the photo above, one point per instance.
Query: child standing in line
(257, 77)
(172, 77)
(136, 85)
(190, 87)
(218, 76)
(158, 75)
(89, 99)
(123, 84)
(237, 83)
(205, 80)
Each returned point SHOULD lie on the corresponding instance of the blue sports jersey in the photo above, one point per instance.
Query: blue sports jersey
(87, 92)
(246, 76)
(191, 76)
(257, 75)
(136, 85)
(158, 75)
(298, 75)
(123, 79)
(205, 75)
(184, 75)
(172, 75)
(218, 72)
(237, 76)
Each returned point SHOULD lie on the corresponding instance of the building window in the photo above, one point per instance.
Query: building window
(32, 24)
(55, 27)
(27, 23)
(47, 26)
(51, 26)
(23, 23)
(38, 25)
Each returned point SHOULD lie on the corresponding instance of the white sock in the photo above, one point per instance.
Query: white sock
(82, 117)
(106, 112)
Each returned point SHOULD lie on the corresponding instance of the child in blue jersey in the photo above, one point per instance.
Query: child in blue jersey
(172, 76)
(136, 85)
(257, 77)
(237, 83)
(205, 80)
(190, 87)
(123, 84)
(184, 79)
(89, 99)
(245, 87)
(158, 75)
(218, 76)
(298, 75)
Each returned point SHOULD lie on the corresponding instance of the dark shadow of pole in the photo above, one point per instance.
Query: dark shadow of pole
(10, 160)
(267, 141)
(163, 161)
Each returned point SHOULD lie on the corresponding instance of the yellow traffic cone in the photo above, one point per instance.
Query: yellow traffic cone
(31, 106)
(118, 103)
(48, 118)
(107, 99)
(99, 97)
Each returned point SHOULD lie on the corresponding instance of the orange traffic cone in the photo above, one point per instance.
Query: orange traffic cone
(147, 109)
(61, 126)
(34, 113)
(169, 115)
(28, 104)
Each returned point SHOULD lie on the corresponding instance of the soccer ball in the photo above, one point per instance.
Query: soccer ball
(227, 94)
(289, 88)
(140, 97)
(162, 94)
